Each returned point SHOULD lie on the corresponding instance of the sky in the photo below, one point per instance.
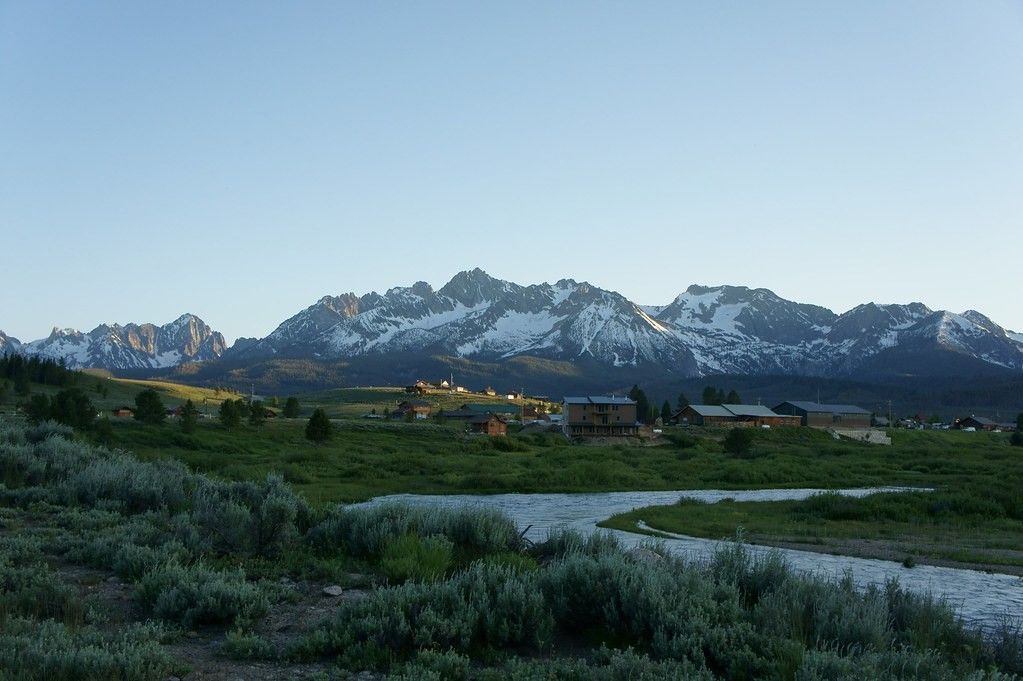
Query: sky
(241, 160)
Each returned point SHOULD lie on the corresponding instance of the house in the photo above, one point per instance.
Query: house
(418, 388)
(488, 391)
(123, 412)
(488, 424)
(976, 422)
(513, 395)
(825, 415)
(599, 416)
(420, 408)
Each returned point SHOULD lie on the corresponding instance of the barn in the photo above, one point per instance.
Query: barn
(826, 415)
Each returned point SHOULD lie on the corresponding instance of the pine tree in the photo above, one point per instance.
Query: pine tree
(229, 414)
(37, 409)
(710, 395)
(733, 398)
(644, 411)
(319, 428)
(21, 385)
(682, 402)
(665, 411)
(257, 414)
(291, 408)
(149, 407)
(189, 417)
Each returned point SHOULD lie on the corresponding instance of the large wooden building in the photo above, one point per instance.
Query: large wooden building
(751, 415)
(599, 416)
(826, 415)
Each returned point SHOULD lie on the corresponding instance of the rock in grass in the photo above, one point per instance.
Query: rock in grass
(333, 590)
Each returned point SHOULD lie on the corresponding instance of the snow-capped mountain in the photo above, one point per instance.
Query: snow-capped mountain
(477, 318)
(8, 344)
(132, 346)
(705, 330)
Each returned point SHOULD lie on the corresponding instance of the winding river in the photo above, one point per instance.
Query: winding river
(980, 598)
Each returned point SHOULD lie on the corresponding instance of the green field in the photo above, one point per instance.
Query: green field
(367, 458)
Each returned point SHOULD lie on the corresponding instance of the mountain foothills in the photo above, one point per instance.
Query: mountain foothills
(476, 321)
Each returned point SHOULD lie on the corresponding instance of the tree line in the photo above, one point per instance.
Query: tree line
(647, 412)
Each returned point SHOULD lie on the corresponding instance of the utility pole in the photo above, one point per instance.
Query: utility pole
(889, 413)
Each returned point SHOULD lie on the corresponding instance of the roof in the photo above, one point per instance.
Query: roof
(495, 408)
(981, 420)
(416, 403)
(815, 408)
(484, 418)
(749, 410)
(710, 410)
(598, 399)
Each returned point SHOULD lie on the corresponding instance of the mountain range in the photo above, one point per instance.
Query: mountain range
(478, 323)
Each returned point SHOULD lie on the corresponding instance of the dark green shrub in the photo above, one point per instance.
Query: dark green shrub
(411, 558)
(739, 442)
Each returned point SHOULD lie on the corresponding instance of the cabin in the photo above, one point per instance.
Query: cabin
(488, 424)
(976, 422)
(818, 415)
(123, 412)
(418, 388)
(488, 391)
(599, 416)
(420, 408)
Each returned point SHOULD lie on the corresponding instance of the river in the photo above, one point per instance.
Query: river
(980, 598)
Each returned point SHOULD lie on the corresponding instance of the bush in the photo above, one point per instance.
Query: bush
(1017, 439)
(196, 595)
(483, 608)
(242, 645)
(508, 444)
(247, 518)
(364, 531)
(412, 558)
(51, 651)
(739, 441)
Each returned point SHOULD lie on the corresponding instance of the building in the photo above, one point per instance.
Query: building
(750, 415)
(488, 424)
(123, 412)
(826, 415)
(421, 409)
(506, 410)
(599, 416)
(488, 391)
(976, 422)
(704, 415)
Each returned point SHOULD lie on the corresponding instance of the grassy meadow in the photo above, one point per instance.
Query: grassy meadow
(116, 568)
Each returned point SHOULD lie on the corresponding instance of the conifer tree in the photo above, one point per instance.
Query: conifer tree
(319, 429)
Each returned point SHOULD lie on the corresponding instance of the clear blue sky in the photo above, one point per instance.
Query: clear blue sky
(240, 160)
